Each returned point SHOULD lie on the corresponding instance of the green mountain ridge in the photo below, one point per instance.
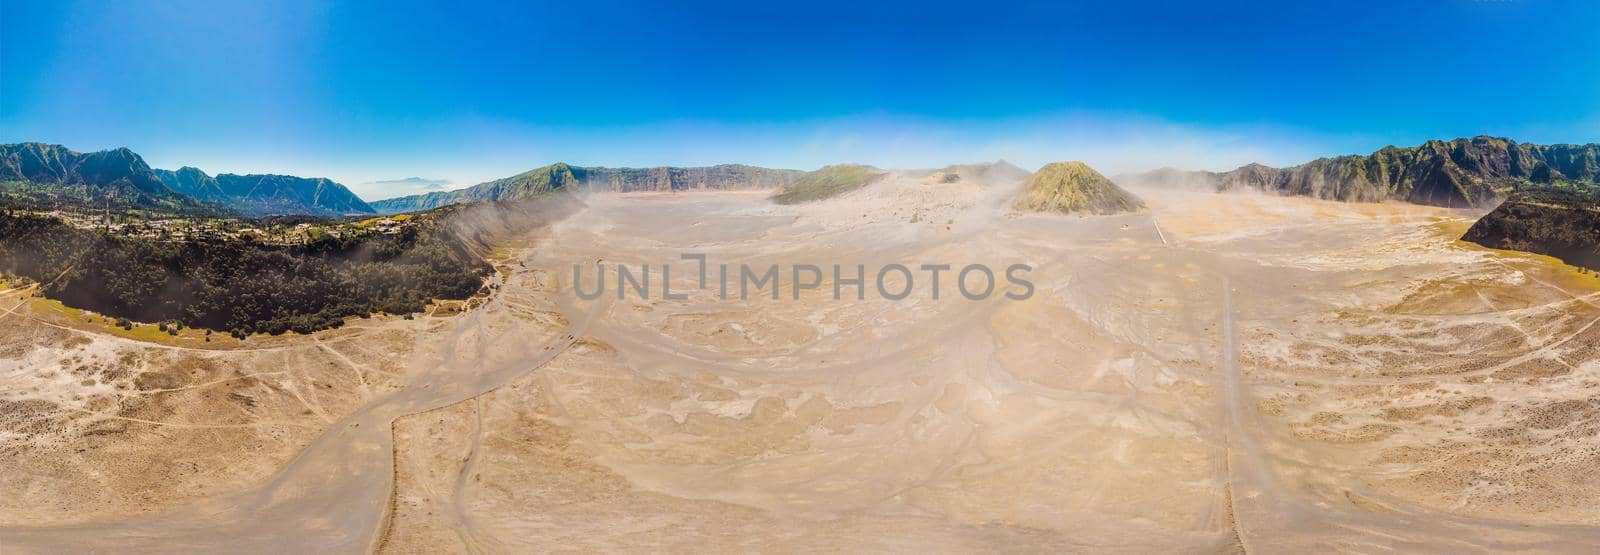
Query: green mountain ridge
(1475, 172)
(287, 194)
(193, 182)
(42, 174)
(562, 176)
(267, 194)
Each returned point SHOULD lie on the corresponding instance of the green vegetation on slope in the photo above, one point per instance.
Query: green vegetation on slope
(830, 181)
(193, 182)
(266, 195)
(1074, 187)
(44, 177)
(1559, 222)
(38, 175)
(523, 186)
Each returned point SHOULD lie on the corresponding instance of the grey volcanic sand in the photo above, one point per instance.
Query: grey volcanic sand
(1220, 372)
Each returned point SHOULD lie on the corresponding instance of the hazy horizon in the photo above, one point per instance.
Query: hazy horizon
(1358, 349)
(370, 97)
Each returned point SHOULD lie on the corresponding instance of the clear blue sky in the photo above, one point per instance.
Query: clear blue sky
(367, 92)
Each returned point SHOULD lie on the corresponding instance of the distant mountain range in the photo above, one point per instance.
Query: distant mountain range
(1474, 172)
(1463, 172)
(43, 174)
(261, 195)
(563, 176)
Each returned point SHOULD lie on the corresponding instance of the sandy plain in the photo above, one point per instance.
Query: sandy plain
(1218, 373)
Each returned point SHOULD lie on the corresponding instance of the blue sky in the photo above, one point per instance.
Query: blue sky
(383, 91)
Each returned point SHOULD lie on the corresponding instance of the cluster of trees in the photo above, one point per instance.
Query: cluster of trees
(85, 198)
(241, 286)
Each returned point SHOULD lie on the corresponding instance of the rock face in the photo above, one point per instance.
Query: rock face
(1458, 173)
(561, 176)
(54, 173)
(1074, 188)
(1563, 223)
(828, 182)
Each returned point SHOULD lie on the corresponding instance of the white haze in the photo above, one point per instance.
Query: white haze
(478, 149)
(1110, 143)
(400, 187)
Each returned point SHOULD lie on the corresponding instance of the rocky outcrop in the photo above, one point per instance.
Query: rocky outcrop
(559, 176)
(1559, 222)
(1074, 188)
